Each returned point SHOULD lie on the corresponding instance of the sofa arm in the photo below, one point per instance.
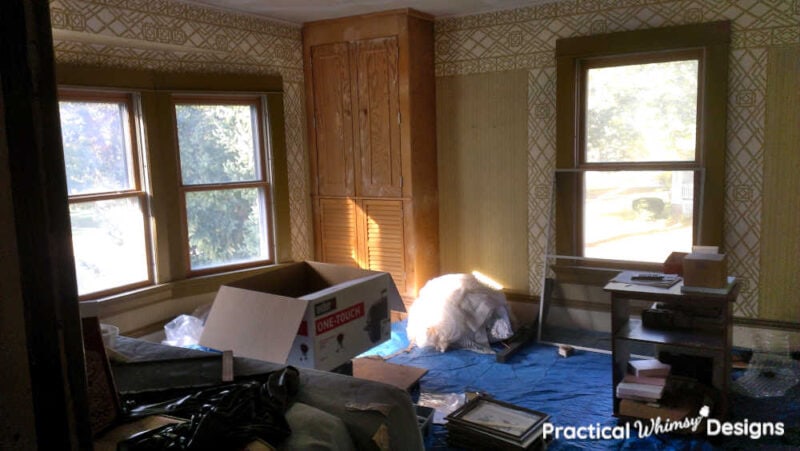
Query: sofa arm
(378, 416)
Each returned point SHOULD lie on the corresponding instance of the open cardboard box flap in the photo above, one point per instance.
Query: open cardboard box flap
(245, 325)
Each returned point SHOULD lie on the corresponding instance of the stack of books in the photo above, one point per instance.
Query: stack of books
(485, 423)
(682, 398)
(645, 381)
(649, 368)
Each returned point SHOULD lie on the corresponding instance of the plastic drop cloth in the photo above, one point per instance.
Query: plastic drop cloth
(575, 391)
(185, 330)
(459, 311)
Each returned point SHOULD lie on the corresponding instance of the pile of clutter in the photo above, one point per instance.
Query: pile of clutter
(459, 311)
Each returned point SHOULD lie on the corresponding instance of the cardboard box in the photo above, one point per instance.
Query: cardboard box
(674, 263)
(307, 314)
(424, 419)
(705, 270)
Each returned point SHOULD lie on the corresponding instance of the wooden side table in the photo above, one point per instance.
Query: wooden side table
(707, 341)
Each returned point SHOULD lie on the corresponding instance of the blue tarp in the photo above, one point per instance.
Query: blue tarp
(574, 391)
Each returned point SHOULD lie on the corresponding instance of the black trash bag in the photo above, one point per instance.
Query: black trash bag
(223, 417)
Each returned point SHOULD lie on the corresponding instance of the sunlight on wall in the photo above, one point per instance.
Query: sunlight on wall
(486, 280)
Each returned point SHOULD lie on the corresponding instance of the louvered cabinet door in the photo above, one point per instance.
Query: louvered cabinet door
(377, 101)
(384, 241)
(333, 121)
(337, 231)
(370, 100)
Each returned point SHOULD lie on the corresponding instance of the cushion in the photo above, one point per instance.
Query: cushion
(314, 429)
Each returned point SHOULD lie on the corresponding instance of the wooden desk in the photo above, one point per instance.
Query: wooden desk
(714, 342)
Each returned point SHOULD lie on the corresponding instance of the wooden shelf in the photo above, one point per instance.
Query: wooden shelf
(712, 340)
(634, 330)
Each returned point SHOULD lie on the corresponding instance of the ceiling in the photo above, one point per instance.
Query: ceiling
(300, 11)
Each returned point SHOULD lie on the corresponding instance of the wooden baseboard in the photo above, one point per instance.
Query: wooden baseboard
(766, 323)
(516, 296)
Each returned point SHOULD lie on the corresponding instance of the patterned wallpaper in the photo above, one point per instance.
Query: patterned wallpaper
(168, 35)
(171, 36)
(525, 38)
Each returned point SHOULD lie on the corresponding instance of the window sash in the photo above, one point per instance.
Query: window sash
(709, 42)
(142, 200)
(262, 181)
(264, 221)
(259, 125)
(134, 162)
(625, 60)
(625, 222)
(130, 132)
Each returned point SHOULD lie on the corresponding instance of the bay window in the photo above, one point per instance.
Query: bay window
(177, 182)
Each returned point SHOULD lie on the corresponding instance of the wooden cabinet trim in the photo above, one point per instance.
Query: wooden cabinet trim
(415, 206)
(378, 169)
(365, 26)
(332, 111)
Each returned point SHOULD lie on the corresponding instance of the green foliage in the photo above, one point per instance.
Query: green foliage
(217, 145)
(642, 112)
(224, 226)
(109, 243)
(95, 147)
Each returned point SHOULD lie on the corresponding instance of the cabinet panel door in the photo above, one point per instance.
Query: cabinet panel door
(377, 100)
(337, 231)
(333, 121)
(382, 223)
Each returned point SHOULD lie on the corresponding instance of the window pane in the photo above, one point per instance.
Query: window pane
(642, 112)
(109, 244)
(96, 141)
(226, 227)
(217, 143)
(637, 215)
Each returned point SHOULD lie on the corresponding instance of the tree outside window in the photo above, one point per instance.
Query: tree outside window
(639, 113)
(110, 231)
(640, 143)
(224, 182)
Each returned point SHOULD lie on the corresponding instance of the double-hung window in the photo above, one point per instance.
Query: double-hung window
(640, 155)
(224, 181)
(176, 182)
(107, 199)
(640, 142)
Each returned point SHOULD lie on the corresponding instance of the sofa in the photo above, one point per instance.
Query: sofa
(330, 411)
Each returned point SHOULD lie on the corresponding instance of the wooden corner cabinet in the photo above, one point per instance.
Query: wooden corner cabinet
(370, 102)
(711, 338)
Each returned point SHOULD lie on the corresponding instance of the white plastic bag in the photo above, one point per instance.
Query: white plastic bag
(457, 310)
(183, 331)
(443, 403)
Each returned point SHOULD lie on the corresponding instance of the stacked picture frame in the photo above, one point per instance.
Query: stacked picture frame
(485, 423)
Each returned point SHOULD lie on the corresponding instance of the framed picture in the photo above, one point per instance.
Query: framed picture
(104, 404)
(499, 418)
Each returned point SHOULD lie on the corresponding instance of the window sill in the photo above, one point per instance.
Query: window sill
(141, 297)
(597, 272)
